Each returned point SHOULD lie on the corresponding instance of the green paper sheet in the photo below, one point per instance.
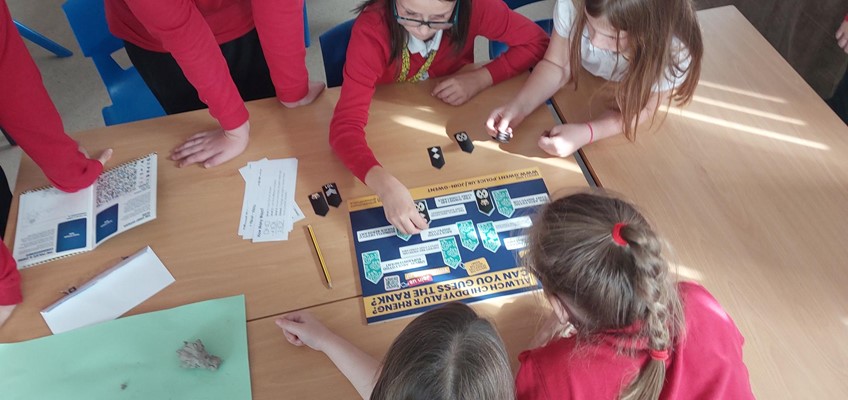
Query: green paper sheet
(134, 358)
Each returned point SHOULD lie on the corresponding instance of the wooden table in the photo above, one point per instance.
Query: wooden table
(750, 185)
(195, 233)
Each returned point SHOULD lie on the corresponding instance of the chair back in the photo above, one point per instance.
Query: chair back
(496, 48)
(88, 21)
(514, 4)
(334, 51)
(132, 100)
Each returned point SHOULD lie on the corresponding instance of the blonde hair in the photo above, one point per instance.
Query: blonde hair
(651, 27)
(574, 256)
(448, 353)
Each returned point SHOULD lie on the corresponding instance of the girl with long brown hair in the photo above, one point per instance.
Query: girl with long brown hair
(651, 49)
(447, 353)
(635, 333)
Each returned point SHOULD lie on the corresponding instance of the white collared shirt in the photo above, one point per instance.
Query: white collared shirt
(418, 46)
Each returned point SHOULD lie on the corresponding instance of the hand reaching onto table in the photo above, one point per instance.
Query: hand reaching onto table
(302, 328)
(461, 87)
(397, 202)
(503, 119)
(212, 148)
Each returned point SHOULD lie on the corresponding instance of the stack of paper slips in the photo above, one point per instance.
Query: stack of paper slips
(269, 210)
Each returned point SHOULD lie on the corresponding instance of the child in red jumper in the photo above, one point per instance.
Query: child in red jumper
(31, 119)
(634, 333)
(410, 41)
(193, 53)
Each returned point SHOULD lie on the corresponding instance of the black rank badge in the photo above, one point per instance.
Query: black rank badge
(437, 159)
(464, 142)
(331, 192)
(421, 205)
(319, 203)
(484, 202)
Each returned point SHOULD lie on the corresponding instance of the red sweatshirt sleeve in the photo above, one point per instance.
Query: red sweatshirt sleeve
(10, 279)
(280, 28)
(184, 33)
(29, 116)
(527, 41)
(367, 58)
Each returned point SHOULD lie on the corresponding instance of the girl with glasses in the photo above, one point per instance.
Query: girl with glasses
(411, 41)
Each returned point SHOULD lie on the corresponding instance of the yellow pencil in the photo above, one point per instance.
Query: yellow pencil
(320, 256)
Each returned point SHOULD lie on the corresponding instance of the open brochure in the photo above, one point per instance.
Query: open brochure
(54, 224)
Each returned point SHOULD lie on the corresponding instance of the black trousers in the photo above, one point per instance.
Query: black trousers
(839, 101)
(175, 93)
(5, 202)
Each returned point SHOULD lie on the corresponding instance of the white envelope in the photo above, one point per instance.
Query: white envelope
(110, 294)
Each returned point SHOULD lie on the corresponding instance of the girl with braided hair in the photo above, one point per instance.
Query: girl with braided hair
(634, 333)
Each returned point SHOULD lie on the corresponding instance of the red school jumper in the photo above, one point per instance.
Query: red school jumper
(368, 64)
(192, 30)
(29, 116)
(706, 365)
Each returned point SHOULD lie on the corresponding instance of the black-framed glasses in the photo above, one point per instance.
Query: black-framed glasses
(437, 25)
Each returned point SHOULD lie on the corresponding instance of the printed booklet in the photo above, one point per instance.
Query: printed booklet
(53, 224)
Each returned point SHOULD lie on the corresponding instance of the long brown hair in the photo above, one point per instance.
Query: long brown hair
(448, 353)
(398, 35)
(651, 26)
(576, 259)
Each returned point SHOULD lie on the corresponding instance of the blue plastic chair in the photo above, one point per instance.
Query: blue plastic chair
(43, 41)
(334, 51)
(496, 48)
(132, 100)
(306, 40)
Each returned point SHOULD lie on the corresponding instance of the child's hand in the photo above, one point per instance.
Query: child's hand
(302, 328)
(564, 140)
(400, 209)
(315, 89)
(503, 119)
(460, 88)
(103, 157)
(397, 202)
(212, 148)
(842, 36)
(6, 312)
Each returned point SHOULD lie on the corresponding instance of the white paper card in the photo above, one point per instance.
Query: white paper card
(110, 294)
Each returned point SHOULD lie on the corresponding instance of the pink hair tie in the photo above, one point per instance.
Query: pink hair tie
(659, 355)
(616, 234)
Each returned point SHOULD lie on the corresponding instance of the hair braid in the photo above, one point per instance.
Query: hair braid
(662, 309)
(600, 257)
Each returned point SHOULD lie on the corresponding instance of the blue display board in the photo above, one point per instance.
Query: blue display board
(470, 251)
